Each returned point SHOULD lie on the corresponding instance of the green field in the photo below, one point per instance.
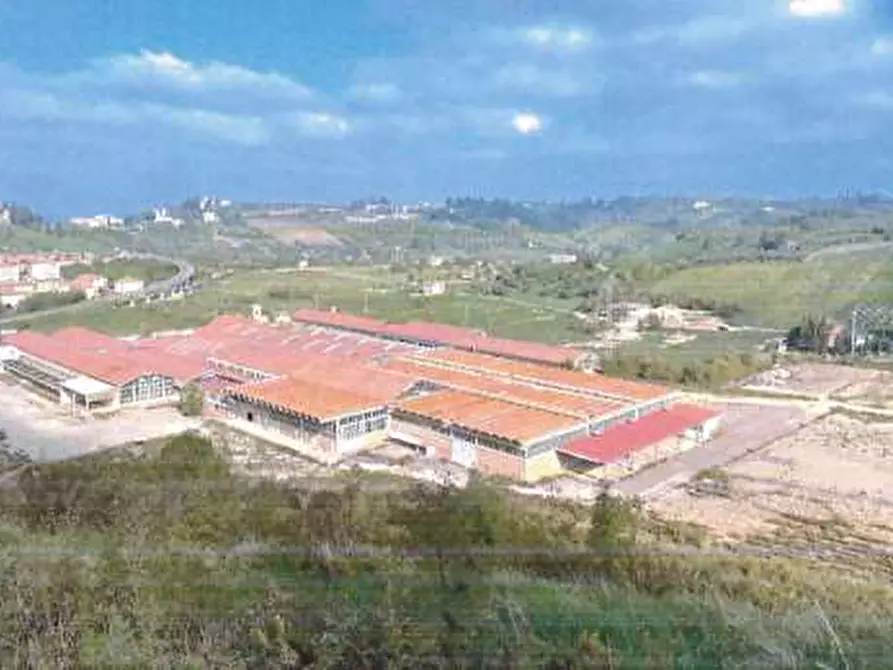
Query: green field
(374, 291)
(778, 294)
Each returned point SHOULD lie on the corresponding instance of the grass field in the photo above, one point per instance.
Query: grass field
(778, 294)
(374, 291)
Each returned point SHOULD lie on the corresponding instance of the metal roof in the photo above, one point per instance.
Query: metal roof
(621, 441)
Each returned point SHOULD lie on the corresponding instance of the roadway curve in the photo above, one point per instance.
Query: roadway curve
(185, 273)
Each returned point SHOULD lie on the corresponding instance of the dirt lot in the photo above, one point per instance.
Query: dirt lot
(44, 431)
(744, 427)
(288, 231)
(833, 477)
(812, 379)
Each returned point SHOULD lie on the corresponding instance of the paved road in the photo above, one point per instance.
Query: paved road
(746, 429)
(185, 272)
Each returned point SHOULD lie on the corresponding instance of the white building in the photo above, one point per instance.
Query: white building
(162, 216)
(45, 270)
(12, 295)
(563, 259)
(5, 215)
(432, 288)
(210, 216)
(128, 286)
(10, 274)
(101, 221)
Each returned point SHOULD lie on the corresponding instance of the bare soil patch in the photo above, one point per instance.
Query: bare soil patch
(809, 379)
(290, 230)
(830, 483)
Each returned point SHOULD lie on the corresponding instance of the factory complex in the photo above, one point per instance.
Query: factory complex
(329, 385)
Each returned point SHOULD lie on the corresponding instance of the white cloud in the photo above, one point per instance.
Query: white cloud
(166, 69)
(319, 124)
(527, 123)
(715, 79)
(538, 80)
(556, 37)
(817, 8)
(700, 30)
(879, 99)
(549, 38)
(376, 92)
(44, 106)
(882, 46)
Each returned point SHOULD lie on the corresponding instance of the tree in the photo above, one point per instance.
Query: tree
(192, 400)
(811, 334)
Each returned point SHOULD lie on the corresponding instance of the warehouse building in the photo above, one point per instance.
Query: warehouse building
(85, 373)
(320, 421)
(435, 335)
(328, 391)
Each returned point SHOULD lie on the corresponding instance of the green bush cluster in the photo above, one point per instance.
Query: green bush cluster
(714, 371)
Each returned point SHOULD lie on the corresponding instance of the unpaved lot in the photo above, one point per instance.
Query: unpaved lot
(813, 379)
(745, 427)
(43, 430)
(837, 471)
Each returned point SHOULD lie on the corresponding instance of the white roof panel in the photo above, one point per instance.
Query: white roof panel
(87, 386)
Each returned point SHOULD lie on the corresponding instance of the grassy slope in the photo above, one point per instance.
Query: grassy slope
(778, 294)
(99, 568)
(349, 290)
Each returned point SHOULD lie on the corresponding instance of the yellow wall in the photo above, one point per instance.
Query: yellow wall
(541, 467)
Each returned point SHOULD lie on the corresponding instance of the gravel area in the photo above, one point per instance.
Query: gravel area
(835, 468)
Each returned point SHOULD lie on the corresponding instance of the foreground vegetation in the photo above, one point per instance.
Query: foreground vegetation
(169, 560)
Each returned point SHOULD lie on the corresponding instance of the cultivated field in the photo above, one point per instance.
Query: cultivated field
(831, 483)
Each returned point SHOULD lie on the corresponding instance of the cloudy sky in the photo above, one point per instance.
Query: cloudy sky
(110, 105)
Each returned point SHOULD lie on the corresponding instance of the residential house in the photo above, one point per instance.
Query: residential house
(10, 273)
(128, 286)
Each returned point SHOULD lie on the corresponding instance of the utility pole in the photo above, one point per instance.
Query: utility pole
(465, 318)
(365, 302)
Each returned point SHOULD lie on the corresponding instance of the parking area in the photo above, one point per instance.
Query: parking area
(745, 428)
(835, 471)
(42, 429)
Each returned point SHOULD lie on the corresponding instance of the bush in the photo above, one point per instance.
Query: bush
(44, 301)
(192, 400)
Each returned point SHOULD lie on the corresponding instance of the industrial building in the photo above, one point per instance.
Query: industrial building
(327, 387)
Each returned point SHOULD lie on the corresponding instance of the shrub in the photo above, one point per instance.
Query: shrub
(192, 400)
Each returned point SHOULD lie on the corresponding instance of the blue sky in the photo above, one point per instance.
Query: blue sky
(113, 106)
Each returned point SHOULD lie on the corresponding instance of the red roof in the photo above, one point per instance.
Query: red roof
(114, 364)
(438, 333)
(460, 337)
(339, 320)
(89, 339)
(522, 349)
(621, 441)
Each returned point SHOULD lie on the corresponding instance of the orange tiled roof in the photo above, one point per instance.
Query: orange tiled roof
(116, 364)
(518, 392)
(307, 398)
(521, 425)
(596, 384)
